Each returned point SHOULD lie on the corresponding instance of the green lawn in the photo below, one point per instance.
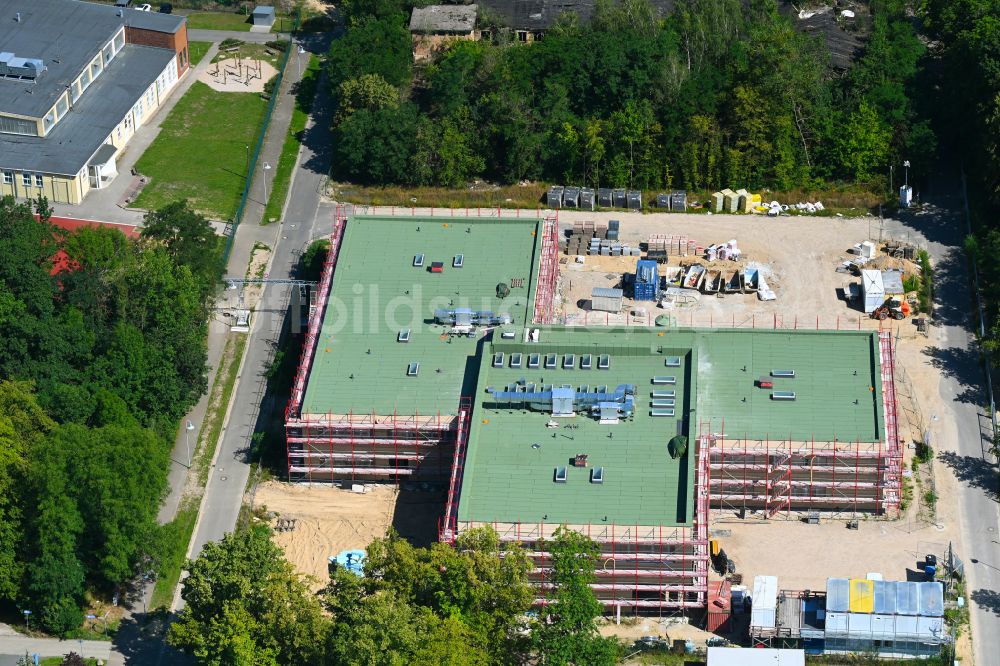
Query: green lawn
(56, 661)
(218, 21)
(197, 51)
(201, 151)
(290, 149)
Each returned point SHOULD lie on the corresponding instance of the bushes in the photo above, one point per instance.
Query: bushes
(925, 296)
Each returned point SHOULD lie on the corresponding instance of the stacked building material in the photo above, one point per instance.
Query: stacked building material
(671, 245)
(598, 239)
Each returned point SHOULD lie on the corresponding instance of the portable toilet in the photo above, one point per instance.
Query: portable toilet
(718, 199)
(873, 289)
(586, 198)
(571, 197)
(905, 196)
(678, 201)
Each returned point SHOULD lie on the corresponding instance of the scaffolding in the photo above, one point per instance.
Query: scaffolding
(548, 272)
(643, 569)
(782, 476)
(316, 312)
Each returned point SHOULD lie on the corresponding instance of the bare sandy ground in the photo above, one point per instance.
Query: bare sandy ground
(328, 520)
(243, 75)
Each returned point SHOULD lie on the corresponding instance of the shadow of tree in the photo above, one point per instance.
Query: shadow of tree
(988, 600)
(978, 472)
(964, 366)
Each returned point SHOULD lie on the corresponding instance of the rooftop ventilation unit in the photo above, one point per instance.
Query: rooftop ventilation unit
(663, 379)
(783, 395)
(418, 260)
(15, 67)
(515, 360)
(656, 411)
(498, 360)
(603, 362)
(672, 362)
(597, 475)
(659, 395)
(559, 475)
(412, 369)
(788, 374)
(569, 361)
(458, 261)
(533, 361)
(403, 335)
(586, 362)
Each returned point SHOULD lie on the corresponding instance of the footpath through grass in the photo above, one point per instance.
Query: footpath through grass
(197, 51)
(201, 151)
(305, 93)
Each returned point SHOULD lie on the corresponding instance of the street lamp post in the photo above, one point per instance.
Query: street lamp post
(187, 444)
(27, 623)
(906, 177)
(267, 167)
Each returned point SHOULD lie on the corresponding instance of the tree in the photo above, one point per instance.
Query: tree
(862, 144)
(373, 45)
(383, 630)
(368, 91)
(189, 238)
(568, 635)
(245, 604)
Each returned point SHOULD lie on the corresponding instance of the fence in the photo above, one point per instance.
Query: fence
(255, 156)
(414, 211)
(690, 319)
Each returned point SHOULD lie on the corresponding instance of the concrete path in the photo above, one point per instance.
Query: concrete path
(103, 204)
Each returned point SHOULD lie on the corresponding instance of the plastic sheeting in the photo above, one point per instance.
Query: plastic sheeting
(862, 595)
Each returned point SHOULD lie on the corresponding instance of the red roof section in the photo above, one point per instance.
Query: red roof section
(60, 260)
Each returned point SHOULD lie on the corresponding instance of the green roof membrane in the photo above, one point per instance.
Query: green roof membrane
(359, 366)
(511, 462)
(507, 479)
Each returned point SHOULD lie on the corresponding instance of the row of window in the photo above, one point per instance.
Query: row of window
(90, 73)
(8, 179)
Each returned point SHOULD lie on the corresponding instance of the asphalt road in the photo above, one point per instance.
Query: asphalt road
(963, 392)
(305, 220)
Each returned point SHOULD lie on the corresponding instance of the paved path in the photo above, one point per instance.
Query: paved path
(962, 391)
(53, 647)
(219, 35)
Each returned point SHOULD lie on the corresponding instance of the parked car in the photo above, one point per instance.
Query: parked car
(145, 8)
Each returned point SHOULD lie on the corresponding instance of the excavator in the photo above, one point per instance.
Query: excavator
(892, 307)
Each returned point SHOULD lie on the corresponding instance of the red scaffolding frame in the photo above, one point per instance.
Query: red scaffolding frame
(548, 272)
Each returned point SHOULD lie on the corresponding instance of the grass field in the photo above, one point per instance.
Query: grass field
(218, 21)
(197, 51)
(304, 96)
(201, 151)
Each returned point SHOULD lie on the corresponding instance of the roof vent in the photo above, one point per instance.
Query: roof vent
(17, 17)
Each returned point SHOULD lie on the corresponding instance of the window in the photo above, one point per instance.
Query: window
(96, 67)
(76, 90)
(119, 41)
(8, 177)
(50, 120)
(18, 126)
(109, 53)
(184, 57)
(150, 98)
(39, 180)
(62, 106)
(26, 179)
(138, 109)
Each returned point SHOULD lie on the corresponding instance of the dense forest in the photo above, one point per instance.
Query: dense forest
(721, 92)
(461, 605)
(100, 357)
(967, 34)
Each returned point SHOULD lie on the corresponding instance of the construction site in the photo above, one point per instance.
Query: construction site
(434, 355)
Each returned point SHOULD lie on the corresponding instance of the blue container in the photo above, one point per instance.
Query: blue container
(646, 280)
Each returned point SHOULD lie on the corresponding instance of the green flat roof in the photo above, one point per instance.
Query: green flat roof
(506, 479)
(359, 366)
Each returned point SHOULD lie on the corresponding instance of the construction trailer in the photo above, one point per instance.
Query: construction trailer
(887, 619)
(606, 300)
(646, 282)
